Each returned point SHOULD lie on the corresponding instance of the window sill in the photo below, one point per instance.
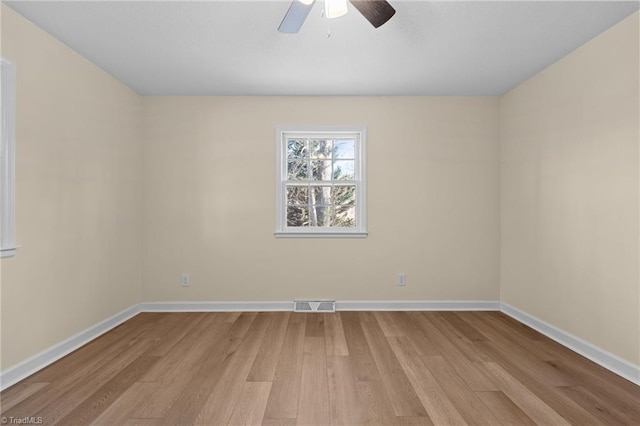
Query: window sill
(321, 234)
(8, 252)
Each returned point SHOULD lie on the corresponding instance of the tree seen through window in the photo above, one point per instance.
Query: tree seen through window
(320, 191)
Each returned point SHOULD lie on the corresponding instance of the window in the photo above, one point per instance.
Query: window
(7, 158)
(321, 189)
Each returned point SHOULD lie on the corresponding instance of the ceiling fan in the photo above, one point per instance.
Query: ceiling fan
(377, 12)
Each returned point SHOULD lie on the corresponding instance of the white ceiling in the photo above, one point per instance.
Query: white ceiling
(234, 48)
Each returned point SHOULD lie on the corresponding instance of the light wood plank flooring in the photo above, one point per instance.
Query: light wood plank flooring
(347, 368)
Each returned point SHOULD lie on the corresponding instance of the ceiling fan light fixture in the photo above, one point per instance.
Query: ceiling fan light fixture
(377, 12)
(335, 8)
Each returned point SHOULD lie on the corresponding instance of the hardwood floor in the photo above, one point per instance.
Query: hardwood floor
(347, 368)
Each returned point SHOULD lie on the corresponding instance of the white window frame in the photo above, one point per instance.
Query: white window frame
(360, 181)
(7, 157)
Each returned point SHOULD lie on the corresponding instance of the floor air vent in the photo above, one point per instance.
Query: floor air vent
(314, 306)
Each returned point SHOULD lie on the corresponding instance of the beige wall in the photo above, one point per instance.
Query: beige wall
(77, 195)
(209, 191)
(569, 193)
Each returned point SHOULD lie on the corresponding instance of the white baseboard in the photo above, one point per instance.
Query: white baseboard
(345, 305)
(416, 305)
(611, 362)
(39, 361)
(215, 306)
(608, 360)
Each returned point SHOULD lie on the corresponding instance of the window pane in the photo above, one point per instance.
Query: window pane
(297, 148)
(297, 195)
(320, 149)
(344, 148)
(297, 216)
(320, 216)
(345, 216)
(344, 170)
(320, 170)
(297, 170)
(344, 194)
(320, 195)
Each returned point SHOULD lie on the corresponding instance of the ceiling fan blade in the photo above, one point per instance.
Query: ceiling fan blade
(376, 11)
(295, 17)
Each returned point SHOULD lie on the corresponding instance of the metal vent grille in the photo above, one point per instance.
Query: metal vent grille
(314, 306)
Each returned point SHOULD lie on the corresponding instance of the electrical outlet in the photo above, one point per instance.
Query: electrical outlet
(185, 280)
(401, 279)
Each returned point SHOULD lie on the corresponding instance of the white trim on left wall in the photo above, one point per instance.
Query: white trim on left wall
(7, 158)
(24, 369)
